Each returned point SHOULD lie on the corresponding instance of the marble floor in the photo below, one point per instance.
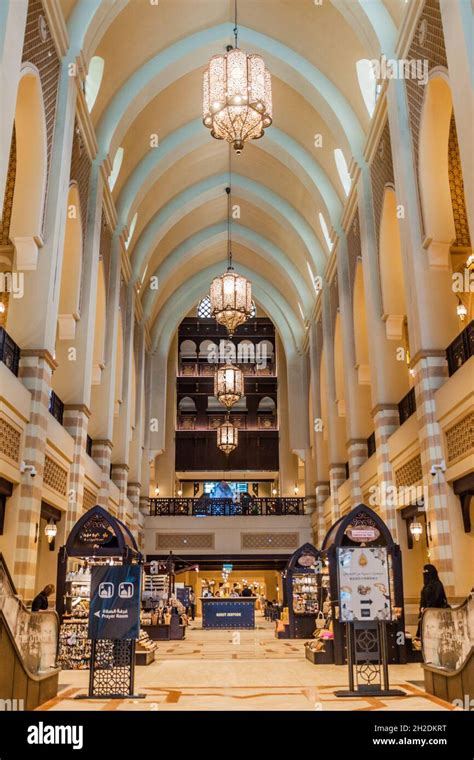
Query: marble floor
(245, 670)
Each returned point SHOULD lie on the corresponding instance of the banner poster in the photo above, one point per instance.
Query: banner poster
(115, 602)
(364, 585)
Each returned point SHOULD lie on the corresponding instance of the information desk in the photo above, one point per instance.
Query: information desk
(235, 612)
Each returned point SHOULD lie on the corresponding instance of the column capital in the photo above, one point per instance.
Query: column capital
(39, 353)
(83, 408)
(384, 408)
(427, 353)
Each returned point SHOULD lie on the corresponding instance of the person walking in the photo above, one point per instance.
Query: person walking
(432, 593)
(40, 602)
(192, 603)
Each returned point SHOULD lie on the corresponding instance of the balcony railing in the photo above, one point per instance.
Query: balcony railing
(407, 406)
(9, 352)
(461, 349)
(205, 369)
(207, 507)
(190, 422)
(56, 407)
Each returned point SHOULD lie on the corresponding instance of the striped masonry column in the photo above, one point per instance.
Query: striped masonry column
(133, 493)
(357, 455)
(102, 455)
(36, 368)
(386, 421)
(75, 421)
(120, 477)
(144, 509)
(430, 373)
(322, 495)
(337, 476)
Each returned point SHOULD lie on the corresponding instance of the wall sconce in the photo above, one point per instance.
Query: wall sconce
(461, 310)
(157, 491)
(296, 489)
(416, 529)
(274, 491)
(179, 492)
(51, 530)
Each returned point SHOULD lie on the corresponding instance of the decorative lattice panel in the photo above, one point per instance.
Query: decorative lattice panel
(55, 476)
(10, 440)
(89, 500)
(112, 668)
(184, 541)
(409, 473)
(427, 44)
(80, 173)
(39, 49)
(460, 438)
(456, 186)
(269, 540)
(9, 191)
(381, 172)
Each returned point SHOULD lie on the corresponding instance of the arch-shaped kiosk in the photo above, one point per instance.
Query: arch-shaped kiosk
(97, 535)
(364, 528)
(302, 589)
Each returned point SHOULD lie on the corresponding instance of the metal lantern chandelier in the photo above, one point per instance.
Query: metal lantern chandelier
(237, 96)
(230, 293)
(228, 385)
(227, 437)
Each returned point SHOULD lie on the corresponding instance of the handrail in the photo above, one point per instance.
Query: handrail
(446, 636)
(36, 634)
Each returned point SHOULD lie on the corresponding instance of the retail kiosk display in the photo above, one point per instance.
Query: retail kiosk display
(97, 538)
(305, 592)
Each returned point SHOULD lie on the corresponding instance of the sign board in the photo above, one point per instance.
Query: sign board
(96, 533)
(362, 534)
(364, 585)
(115, 602)
(228, 613)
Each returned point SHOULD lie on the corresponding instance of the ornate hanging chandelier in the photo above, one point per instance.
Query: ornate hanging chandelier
(230, 293)
(237, 96)
(227, 437)
(228, 385)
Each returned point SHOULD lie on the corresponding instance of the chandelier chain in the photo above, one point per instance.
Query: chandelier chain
(236, 30)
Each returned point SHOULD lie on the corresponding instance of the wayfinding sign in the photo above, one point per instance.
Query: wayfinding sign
(115, 602)
(364, 584)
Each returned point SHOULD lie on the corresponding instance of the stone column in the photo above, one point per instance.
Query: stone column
(36, 369)
(430, 373)
(75, 421)
(357, 453)
(457, 29)
(337, 476)
(12, 34)
(322, 495)
(133, 493)
(102, 455)
(386, 421)
(120, 478)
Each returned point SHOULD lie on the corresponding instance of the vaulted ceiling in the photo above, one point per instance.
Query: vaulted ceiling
(154, 56)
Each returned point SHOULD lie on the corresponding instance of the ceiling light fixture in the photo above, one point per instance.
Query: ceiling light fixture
(230, 293)
(237, 95)
(228, 385)
(227, 437)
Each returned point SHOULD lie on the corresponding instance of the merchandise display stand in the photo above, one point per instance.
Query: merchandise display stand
(304, 593)
(97, 539)
(367, 662)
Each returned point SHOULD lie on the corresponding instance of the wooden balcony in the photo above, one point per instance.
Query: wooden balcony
(207, 507)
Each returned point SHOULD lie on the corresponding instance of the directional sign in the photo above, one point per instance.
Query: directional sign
(115, 602)
(364, 587)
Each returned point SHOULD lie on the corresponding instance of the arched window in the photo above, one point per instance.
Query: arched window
(115, 168)
(367, 83)
(341, 165)
(325, 230)
(131, 230)
(204, 308)
(93, 80)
